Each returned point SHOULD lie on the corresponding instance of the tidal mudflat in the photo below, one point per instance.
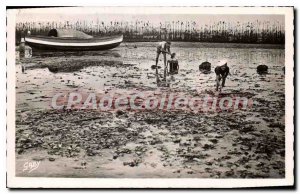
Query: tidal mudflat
(244, 143)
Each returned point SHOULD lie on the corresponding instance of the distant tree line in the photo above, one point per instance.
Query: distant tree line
(236, 32)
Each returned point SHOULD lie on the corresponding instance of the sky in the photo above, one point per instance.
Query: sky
(154, 16)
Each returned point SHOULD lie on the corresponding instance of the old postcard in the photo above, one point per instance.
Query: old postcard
(150, 97)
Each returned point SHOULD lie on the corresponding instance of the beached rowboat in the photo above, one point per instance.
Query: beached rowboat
(72, 41)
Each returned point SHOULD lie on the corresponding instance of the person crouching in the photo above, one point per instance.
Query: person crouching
(173, 65)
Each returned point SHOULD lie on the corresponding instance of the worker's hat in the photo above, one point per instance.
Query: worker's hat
(222, 62)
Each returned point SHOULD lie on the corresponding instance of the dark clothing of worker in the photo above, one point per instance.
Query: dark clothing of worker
(173, 65)
(221, 73)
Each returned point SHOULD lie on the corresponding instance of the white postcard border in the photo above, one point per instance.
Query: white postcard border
(28, 182)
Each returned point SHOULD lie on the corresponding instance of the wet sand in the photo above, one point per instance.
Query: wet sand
(90, 143)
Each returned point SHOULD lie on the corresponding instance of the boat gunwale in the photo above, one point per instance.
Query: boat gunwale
(74, 39)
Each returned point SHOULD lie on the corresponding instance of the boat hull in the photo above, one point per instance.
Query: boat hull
(73, 44)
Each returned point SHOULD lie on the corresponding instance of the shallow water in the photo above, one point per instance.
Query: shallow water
(41, 83)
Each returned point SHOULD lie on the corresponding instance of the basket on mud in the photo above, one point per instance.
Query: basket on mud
(205, 67)
(262, 69)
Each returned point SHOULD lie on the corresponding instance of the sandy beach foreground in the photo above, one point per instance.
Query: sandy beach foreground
(244, 143)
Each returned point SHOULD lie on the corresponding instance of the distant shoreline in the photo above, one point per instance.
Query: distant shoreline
(212, 44)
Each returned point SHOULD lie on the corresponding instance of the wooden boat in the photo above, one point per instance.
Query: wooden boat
(72, 40)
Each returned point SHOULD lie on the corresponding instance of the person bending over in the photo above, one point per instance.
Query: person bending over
(222, 72)
(164, 48)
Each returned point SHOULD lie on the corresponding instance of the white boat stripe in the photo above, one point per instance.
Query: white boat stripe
(44, 42)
